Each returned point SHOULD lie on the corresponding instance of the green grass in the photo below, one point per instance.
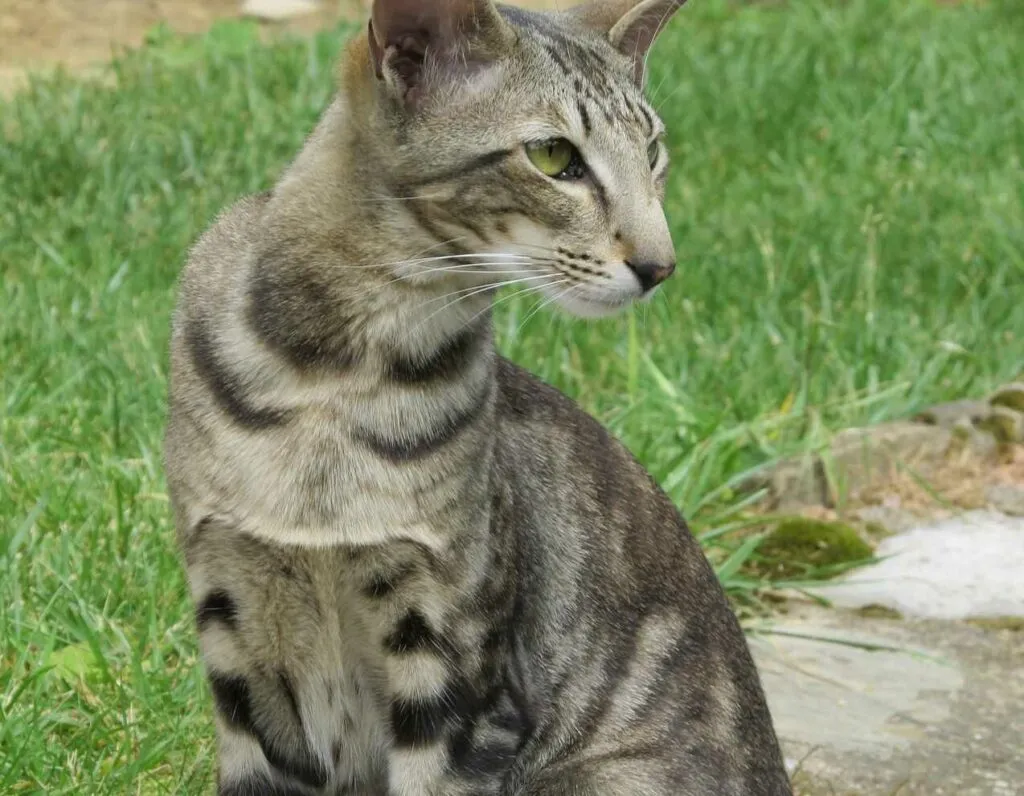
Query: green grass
(848, 205)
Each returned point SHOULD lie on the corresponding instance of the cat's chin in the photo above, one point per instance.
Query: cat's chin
(593, 307)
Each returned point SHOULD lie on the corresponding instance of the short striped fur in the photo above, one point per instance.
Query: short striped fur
(418, 570)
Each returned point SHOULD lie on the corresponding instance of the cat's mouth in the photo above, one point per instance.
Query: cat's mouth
(619, 288)
(594, 303)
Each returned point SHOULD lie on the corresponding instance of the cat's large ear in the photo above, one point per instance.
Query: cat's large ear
(630, 25)
(418, 43)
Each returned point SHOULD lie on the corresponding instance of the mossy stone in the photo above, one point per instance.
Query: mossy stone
(805, 549)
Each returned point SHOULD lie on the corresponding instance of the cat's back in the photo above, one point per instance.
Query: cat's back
(611, 577)
(586, 489)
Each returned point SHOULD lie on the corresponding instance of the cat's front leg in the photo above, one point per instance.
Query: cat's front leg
(448, 726)
(420, 690)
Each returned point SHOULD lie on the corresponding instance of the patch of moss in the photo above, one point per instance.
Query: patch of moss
(874, 611)
(1014, 624)
(805, 549)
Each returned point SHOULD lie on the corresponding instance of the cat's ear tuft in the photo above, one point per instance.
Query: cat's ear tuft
(417, 44)
(630, 25)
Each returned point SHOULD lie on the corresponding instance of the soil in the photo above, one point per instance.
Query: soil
(79, 34)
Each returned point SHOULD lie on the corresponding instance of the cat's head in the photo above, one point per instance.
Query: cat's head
(525, 137)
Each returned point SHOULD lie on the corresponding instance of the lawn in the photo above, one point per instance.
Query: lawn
(848, 206)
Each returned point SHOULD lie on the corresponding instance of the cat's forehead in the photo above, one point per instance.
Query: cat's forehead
(559, 60)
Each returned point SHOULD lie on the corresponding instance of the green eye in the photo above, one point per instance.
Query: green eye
(653, 153)
(556, 158)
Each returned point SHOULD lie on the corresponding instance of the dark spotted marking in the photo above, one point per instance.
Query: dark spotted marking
(379, 586)
(449, 360)
(399, 451)
(227, 389)
(412, 634)
(420, 722)
(384, 583)
(233, 698)
(478, 760)
(217, 606)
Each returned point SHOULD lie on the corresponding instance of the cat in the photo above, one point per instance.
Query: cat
(418, 570)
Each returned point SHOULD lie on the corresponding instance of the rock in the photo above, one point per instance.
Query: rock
(278, 10)
(798, 482)
(856, 459)
(1007, 498)
(892, 518)
(915, 708)
(1005, 424)
(964, 566)
(859, 458)
(1011, 396)
(954, 413)
(976, 438)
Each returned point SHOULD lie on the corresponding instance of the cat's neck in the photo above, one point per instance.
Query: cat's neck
(326, 286)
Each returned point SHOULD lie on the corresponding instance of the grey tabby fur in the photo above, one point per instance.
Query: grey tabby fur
(417, 569)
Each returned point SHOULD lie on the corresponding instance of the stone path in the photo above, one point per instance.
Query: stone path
(929, 700)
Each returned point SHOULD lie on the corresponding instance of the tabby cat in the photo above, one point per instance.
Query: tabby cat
(417, 569)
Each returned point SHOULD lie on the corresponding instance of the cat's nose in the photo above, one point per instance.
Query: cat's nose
(651, 275)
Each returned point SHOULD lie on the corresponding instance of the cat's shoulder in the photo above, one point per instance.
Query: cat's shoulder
(221, 250)
(528, 401)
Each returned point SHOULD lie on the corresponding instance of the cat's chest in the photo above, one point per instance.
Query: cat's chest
(316, 484)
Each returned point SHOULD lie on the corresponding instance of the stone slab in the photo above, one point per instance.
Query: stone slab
(886, 707)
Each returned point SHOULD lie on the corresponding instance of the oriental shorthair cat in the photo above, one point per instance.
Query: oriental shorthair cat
(417, 569)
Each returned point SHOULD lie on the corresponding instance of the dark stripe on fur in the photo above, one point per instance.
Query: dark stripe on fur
(294, 311)
(556, 56)
(289, 692)
(258, 785)
(446, 430)
(602, 195)
(450, 359)
(227, 390)
(419, 210)
(486, 161)
(411, 635)
(217, 606)
(584, 116)
(648, 119)
(233, 697)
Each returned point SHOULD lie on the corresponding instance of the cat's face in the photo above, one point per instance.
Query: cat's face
(544, 156)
